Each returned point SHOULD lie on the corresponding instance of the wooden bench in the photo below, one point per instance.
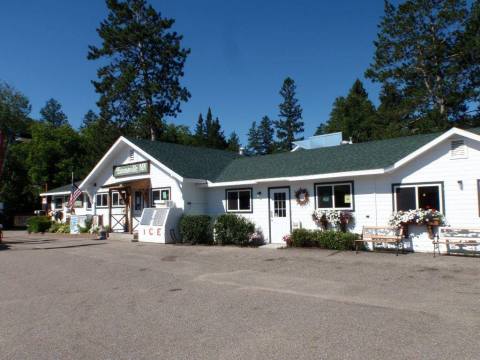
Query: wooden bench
(458, 237)
(381, 234)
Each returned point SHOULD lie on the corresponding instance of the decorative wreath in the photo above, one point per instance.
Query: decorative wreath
(302, 196)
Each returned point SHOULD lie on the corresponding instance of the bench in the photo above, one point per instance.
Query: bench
(381, 234)
(458, 237)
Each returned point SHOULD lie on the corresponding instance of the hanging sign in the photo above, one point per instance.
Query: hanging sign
(131, 169)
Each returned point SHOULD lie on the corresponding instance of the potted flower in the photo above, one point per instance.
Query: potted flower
(288, 240)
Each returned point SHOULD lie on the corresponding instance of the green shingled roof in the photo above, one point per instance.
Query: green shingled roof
(64, 188)
(188, 161)
(223, 166)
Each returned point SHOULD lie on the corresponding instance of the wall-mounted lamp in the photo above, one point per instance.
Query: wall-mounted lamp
(259, 193)
(460, 184)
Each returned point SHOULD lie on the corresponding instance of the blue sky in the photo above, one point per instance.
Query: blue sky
(241, 52)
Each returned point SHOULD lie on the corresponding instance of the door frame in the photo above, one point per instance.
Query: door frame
(270, 214)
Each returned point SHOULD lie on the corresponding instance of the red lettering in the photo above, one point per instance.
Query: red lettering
(150, 231)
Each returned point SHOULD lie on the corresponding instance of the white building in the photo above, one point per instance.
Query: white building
(370, 179)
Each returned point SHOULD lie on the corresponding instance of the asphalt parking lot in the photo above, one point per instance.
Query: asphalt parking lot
(78, 298)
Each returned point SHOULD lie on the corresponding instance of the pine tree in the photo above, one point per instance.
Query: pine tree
(265, 134)
(254, 146)
(52, 113)
(418, 53)
(354, 115)
(214, 136)
(140, 84)
(290, 124)
(233, 142)
(199, 135)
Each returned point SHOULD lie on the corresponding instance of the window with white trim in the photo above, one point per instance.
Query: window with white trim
(160, 194)
(239, 200)
(334, 196)
(78, 202)
(418, 196)
(58, 202)
(117, 199)
(102, 200)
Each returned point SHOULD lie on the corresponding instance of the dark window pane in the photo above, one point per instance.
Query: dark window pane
(138, 200)
(343, 196)
(58, 203)
(429, 197)
(114, 199)
(280, 204)
(232, 200)
(99, 200)
(244, 200)
(165, 195)
(324, 196)
(155, 195)
(405, 198)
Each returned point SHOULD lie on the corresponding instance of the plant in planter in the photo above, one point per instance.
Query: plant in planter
(288, 240)
(336, 218)
(417, 217)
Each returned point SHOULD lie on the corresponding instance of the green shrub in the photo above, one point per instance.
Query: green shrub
(38, 224)
(54, 227)
(326, 239)
(64, 228)
(196, 229)
(303, 238)
(232, 229)
(88, 224)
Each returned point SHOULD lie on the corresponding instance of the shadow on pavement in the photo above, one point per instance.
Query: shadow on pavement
(67, 246)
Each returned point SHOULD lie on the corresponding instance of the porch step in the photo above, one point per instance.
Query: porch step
(120, 236)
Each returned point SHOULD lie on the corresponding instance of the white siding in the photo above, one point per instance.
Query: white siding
(373, 199)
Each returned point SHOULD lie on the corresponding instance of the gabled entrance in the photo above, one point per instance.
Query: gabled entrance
(127, 200)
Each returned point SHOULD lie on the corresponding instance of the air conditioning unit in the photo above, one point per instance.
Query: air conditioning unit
(164, 203)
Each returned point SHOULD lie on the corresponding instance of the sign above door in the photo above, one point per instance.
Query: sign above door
(131, 169)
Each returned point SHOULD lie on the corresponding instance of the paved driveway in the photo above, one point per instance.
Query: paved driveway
(86, 299)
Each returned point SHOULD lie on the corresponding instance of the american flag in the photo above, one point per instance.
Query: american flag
(74, 194)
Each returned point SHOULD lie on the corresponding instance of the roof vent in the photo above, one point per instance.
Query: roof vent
(458, 149)
(132, 155)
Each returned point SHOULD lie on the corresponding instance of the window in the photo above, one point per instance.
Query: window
(335, 196)
(239, 200)
(280, 204)
(58, 202)
(117, 199)
(418, 196)
(138, 199)
(162, 194)
(78, 202)
(89, 203)
(102, 200)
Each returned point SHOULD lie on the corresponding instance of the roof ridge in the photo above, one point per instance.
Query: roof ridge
(227, 152)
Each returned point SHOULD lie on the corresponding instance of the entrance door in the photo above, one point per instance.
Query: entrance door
(279, 214)
(138, 205)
